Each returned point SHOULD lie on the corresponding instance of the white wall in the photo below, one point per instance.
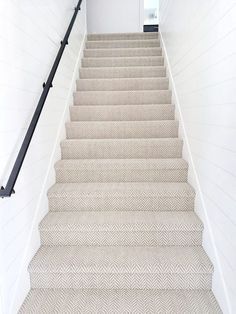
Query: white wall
(114, 16)
(199, 37)
(30, 38)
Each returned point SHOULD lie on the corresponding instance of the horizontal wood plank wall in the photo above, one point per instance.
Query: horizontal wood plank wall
(30, 37)
(199, 37)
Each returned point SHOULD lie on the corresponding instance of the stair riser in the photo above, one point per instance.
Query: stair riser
(122, 113)
(122, 36)
(133, 238)
(122, 98)
(123, 72)
(122, 62)
(122, 44)
(164, 203)
(121, 301)
(93, 130)
(121, 281)
(73, 176)
(122, 84)
(139, 52)
(120, 149)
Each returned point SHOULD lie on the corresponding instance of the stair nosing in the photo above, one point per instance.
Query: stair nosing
(118, 79)
(191, 222)
(183, 188)
(120, 48)
(154, 268)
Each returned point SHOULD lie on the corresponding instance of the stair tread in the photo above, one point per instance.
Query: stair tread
(121, 79)
(111, 164)
(137, 72)
(120, 52)
(122, 129)
(122, 62)
(129, 35)
(122, 112)
(71, 301)
(90, 82)
(124, 107)
(73, 259)
(154, 40)
(125, 58)
(121, 170)
(127, 43)
(126, 67)
(122, 97)
(133, 189)
(124, 123)
(121, 221)
(122, 148)
(118, 49)
(101, 92)
(123, 140)
(125, 40)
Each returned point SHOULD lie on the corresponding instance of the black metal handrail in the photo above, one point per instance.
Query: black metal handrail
(9, 189)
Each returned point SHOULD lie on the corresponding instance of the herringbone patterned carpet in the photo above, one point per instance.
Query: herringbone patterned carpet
(121, 235)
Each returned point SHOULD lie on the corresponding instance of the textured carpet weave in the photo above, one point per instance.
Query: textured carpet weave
(121, 235)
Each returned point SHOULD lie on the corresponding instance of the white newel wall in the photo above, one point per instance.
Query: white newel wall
(30, 38)
(114, 16)
(199, 40)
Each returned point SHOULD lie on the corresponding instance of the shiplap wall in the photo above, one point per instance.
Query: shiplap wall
(30, 37)
(200, 41)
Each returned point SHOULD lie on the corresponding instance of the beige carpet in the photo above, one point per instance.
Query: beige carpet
(121, 235)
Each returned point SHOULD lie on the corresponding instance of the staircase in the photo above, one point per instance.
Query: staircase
(121, 235)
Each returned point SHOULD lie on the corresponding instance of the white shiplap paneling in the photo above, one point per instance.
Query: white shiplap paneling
(199, 40)
(30, 37)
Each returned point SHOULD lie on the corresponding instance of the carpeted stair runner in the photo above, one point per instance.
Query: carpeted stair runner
(121, 235)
